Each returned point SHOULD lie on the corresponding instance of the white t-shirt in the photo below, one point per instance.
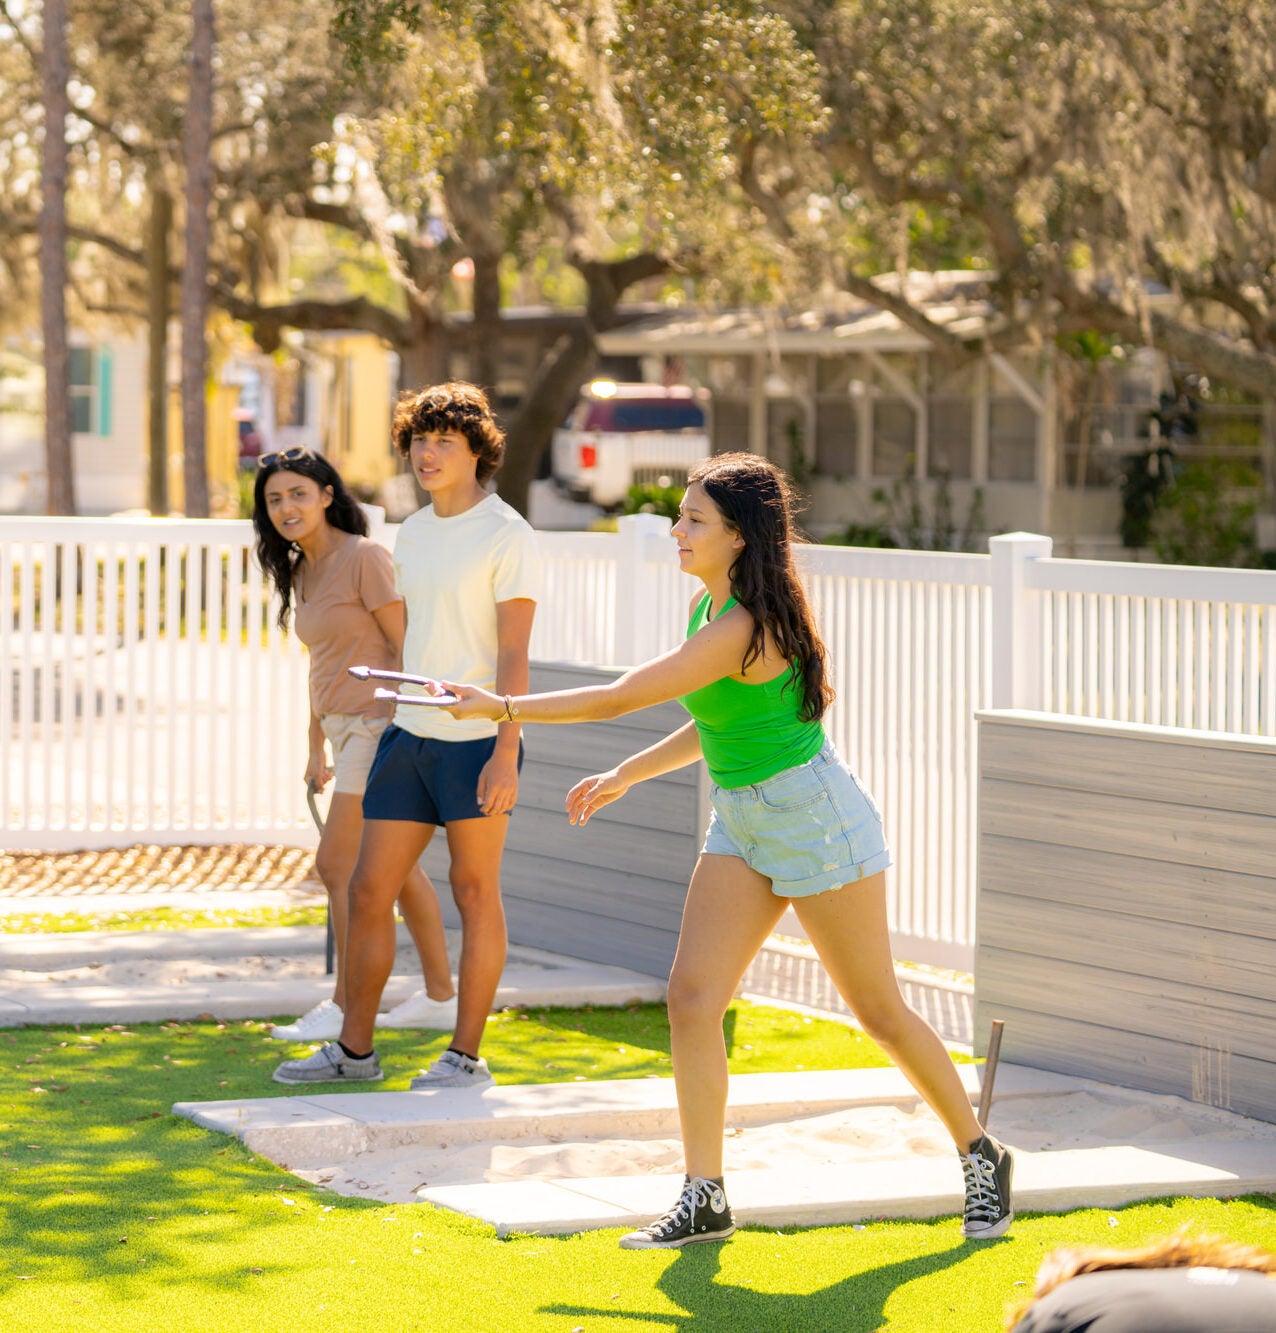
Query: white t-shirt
(452, 572)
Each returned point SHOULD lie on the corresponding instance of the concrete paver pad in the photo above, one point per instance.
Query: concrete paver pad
(812, 1148)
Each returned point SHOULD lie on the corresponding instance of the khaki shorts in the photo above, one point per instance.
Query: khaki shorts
(354, 745)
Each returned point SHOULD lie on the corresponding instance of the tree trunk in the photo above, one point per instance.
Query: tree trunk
(558, 381)
(550, 396)
(194, 291)
(485, 331)
(55, 71)
(157, 344)
(421, 358)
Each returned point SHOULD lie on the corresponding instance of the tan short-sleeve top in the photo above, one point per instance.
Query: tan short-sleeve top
(335, 599)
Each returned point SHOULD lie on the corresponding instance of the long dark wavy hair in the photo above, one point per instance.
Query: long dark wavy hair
(277, 555)
(757, 500)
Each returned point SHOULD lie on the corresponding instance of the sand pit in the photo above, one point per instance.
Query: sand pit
(1042, 1124)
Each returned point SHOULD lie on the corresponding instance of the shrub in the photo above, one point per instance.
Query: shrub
(1201, 520)
(652, 498)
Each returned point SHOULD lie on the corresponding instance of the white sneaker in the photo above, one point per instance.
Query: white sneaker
(451, 1070)
(330, 1064)
(419, 1011)
(322, 1023)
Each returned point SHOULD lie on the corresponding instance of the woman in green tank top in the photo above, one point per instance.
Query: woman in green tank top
(790, 823)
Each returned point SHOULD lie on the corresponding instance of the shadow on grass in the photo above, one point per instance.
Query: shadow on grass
(692, 1281)
(99, 1181)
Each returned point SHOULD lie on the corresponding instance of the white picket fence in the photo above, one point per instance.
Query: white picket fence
(148, 695)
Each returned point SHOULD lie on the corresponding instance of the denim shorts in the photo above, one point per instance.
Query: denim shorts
(427, 781)
(808, 829)
(354, 745)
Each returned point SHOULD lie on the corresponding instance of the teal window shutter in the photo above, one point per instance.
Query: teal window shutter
(104, 391)
(82, 388)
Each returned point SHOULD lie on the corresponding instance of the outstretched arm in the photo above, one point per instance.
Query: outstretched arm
(710, 654)
(589, 795)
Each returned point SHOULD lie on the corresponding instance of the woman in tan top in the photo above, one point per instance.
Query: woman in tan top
(312, 542)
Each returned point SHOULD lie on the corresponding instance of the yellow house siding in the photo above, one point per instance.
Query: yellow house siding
(358, 409)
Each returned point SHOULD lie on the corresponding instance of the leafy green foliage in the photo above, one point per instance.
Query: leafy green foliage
(861, 534)
(1146, 477)
(1095, 158)
(652, 498)
(1202, 519)
(621, 124)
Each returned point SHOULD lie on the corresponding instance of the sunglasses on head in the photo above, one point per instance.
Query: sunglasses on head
(281, 456)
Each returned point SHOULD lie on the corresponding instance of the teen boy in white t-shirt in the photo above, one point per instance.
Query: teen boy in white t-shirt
(469, 573)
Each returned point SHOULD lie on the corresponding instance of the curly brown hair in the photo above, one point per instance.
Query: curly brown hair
(1178, 1251)
(455, 406)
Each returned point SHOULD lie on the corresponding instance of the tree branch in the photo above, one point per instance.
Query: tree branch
(132, 313)
(1229, 359)
(1195, 290)
(32, 54)
(767, 203)
(12, 225)
(907, 314)
(269, 321)
(102, 127)
(968, 198)
(608, 280)
(334, 215)
(117, 248)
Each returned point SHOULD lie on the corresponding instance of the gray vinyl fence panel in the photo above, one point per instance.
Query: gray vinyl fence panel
(1126, 916)
(611, 892)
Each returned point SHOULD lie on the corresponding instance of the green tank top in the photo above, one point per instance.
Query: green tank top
(749, 733)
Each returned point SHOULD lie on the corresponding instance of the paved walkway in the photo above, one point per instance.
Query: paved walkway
(196, 972)
(153, 976)
(113, 976)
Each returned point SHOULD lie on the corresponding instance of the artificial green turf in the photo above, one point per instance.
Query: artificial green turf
(159, 918)
(116, 1215)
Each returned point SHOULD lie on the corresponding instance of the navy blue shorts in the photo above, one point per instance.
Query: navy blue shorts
(425, 780)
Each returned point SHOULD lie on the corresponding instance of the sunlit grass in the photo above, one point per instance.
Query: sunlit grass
(117, 1216)
(160, 918)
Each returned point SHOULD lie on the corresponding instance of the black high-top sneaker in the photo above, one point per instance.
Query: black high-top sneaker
(701, 1213)
(987, 1168)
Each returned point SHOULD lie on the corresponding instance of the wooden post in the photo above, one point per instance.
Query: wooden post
(990, 1070)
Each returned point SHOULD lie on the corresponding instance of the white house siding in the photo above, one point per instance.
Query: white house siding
(111, 469)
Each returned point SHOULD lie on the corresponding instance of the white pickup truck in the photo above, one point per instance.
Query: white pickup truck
(620, 435)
